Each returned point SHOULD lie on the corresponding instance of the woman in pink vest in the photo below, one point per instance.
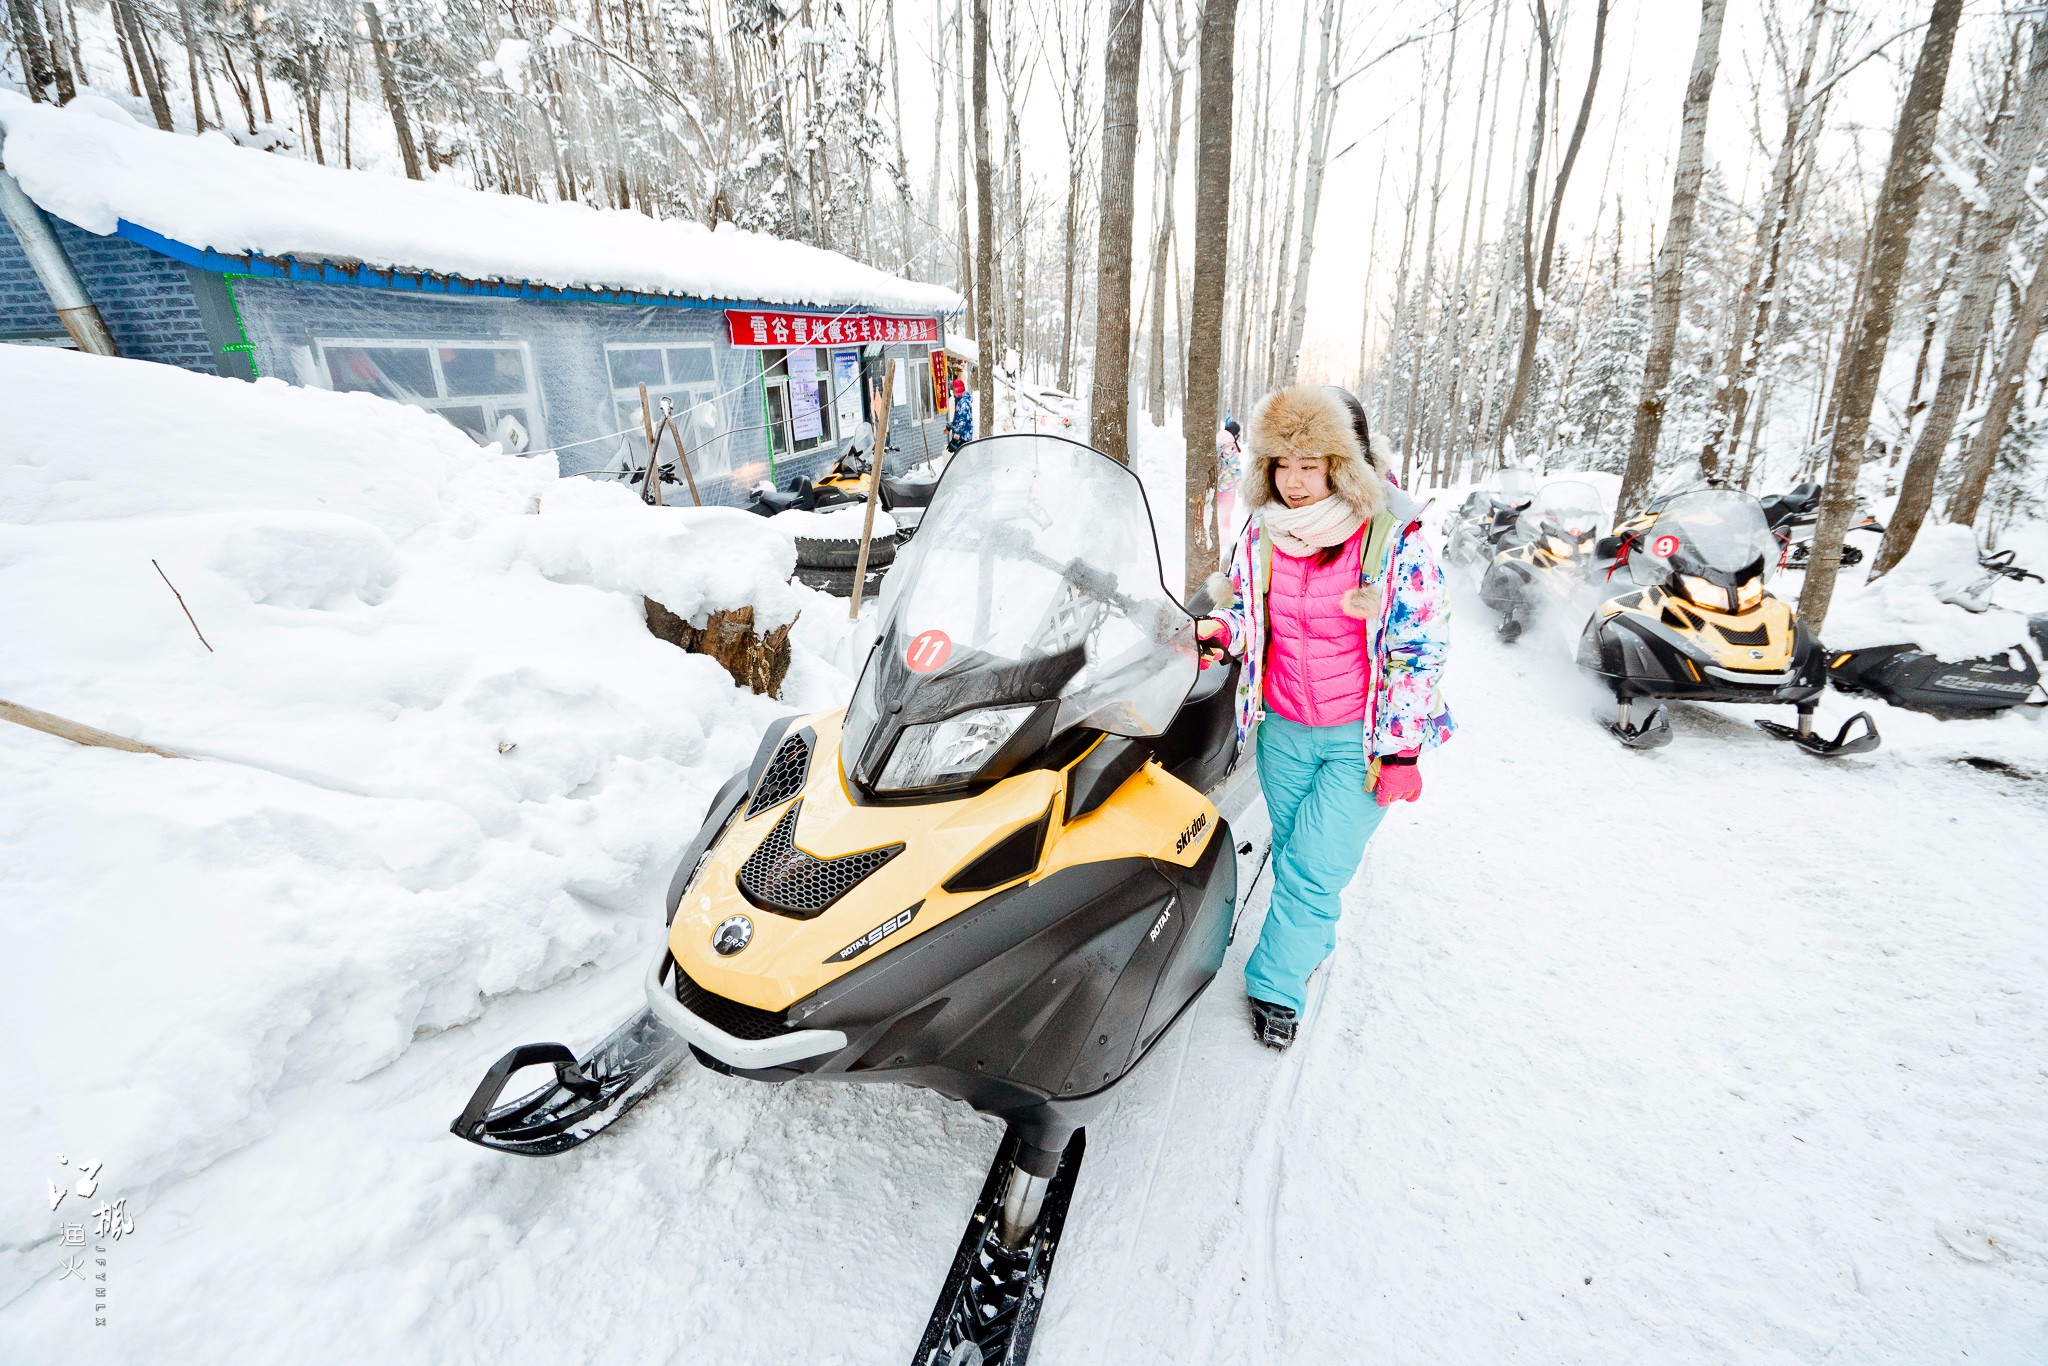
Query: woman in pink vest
(1338, 611)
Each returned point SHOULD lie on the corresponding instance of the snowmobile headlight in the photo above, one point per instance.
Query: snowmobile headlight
(1560, 546)
(952, 750)
(1710, 595)
(1749, 593)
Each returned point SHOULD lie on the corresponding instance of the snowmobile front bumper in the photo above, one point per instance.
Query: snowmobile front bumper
(743, 1054)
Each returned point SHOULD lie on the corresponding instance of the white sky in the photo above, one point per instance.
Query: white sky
(1628, 152)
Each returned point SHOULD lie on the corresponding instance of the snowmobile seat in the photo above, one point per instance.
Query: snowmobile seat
(1910, 677)
(1201, 744)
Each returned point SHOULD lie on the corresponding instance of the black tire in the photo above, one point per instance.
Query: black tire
(839, 582)
(817, 554)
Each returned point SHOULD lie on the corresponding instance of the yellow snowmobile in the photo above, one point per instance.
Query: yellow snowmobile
(1547, 557)
(1701, 627)
(1002, 873)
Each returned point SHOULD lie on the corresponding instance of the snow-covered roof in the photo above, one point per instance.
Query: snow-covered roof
(963, 347)
(91, 164)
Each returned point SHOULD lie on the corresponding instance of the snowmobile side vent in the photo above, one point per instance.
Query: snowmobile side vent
(1760, 636)
(789, 881)
(1015, 855)
(740, 1021)
(1682, 621)
(784, 777)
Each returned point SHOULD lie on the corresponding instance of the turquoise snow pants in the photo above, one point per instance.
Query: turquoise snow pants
(1314, 781)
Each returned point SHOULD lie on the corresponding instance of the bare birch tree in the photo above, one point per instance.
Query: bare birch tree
(1984, 274)
(1898, 207)
(1109, 405)
(1199, 415)
(1670, 276)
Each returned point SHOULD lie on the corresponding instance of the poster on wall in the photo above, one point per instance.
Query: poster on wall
(846, 388)
(941, 391)
(805, 422)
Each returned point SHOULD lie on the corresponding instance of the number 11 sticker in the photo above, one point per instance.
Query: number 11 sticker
(929, 652)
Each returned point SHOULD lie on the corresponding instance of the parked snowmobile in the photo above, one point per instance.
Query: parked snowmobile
(1907, 676)
(1002, 872)
(1792, 516)
(1476, 529)
(1701, 627)
(1546, 556)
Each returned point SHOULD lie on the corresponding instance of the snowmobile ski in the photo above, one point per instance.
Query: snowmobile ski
(583, 1100)
(988, 1308)
(1653, 733)
(1804, 736)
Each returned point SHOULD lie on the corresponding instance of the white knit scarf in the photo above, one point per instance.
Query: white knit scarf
(1304, 530)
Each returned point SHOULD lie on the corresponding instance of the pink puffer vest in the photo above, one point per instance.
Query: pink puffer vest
(1316, 670)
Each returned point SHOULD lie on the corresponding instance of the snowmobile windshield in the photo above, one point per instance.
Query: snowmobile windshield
(1717, 535)
(1516, 485)
(1568, 510)
(1030, 604)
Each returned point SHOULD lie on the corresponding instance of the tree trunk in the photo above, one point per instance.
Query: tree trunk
(64, 57)
(1898, 205)
(2005, 388)
(191, 42)
(1199, 417)
(1415, 435)
(131, 24)
(984, 245)
(1325, 110)
(1109, 405)
(1155, 369)
(394, 99)
(960, 121)
(1669, 281)
(1983, 274)
(1535, 296)
(34, 48)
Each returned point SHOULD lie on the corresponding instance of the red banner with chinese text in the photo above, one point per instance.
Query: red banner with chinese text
(761, 327)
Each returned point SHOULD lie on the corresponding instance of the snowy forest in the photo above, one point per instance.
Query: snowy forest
(1379, 667)
(1523, 288)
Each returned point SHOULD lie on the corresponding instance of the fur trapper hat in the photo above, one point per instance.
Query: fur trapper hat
(1309, 420)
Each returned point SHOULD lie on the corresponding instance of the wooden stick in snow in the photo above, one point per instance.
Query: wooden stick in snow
(867, 530)
(76, 733)
(181, 605)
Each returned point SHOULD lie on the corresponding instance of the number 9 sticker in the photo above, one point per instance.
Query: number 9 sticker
(1665, 546)
(929, 652)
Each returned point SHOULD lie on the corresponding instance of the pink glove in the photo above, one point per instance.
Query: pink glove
(1212, 638)
(1400, 779)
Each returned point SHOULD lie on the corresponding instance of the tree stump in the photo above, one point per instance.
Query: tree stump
(755, 661)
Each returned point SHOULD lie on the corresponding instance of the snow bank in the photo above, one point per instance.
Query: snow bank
(1907, 604)
(437, 755)
(92, 164)
(833, 524)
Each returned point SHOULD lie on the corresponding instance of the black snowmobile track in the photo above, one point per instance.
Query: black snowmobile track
(583, 1100)
(988, 1308)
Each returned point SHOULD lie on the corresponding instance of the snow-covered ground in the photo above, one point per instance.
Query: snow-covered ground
(1716, 1053)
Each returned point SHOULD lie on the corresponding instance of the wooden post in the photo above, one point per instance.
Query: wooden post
(867, 530)
(650, 486)
(76, 733)
(668, 424)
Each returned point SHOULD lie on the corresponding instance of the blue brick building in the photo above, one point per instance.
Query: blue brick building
(534, 367)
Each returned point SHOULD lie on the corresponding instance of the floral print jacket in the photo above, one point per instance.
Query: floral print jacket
(1405, 638)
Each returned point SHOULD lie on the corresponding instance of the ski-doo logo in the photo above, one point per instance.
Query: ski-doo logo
(1187, 836)
(876, 935)
(734, 933)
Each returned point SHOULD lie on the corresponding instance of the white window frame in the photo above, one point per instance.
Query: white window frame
(711, 456)
(828, 416)
(493, 405)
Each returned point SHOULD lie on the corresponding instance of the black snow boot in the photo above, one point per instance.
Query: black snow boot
(1273, 1025)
